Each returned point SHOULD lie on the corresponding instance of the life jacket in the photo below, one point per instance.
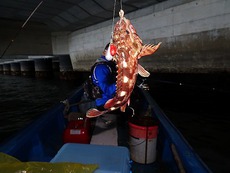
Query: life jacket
(112, 67)
(91, 89)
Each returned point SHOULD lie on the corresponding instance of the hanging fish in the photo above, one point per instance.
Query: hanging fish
(128, 49)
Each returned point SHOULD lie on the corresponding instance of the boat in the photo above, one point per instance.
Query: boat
(42, 141)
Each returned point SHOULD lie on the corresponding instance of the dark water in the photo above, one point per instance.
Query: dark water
(23, 99)
(198, 105)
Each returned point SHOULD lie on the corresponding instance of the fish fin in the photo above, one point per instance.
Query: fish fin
(128, 102)
(149, 49)
(109, 104)
(142, 71)
(92, 113)
(122, 108)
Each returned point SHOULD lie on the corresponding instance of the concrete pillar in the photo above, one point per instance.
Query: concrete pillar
(27, 68)
(6, 68)
(56, 67)
(66, 69)
(43, 68)
(15, 68)
(1, 68)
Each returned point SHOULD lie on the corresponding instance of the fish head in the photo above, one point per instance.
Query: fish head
(125, 36)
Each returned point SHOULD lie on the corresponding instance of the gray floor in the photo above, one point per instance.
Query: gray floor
(105, 132)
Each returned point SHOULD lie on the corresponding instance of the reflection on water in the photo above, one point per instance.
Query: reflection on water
(196, 104)
(24, 99)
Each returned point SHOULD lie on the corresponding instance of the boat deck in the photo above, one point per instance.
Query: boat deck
(105, 132)
(108, 132)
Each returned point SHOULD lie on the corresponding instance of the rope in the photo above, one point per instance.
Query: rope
(67, 105)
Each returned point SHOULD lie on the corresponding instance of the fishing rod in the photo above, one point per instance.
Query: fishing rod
(17, 33)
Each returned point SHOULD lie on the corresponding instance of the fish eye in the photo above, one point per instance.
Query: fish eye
(127, 31)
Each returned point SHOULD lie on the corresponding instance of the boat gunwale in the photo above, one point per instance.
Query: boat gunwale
(188, 157)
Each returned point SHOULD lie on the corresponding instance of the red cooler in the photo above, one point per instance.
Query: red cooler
(78, 131)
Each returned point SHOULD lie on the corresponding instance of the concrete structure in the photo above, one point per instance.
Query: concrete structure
(6, 68)
(1, 68)
(43, 67)
(56, 67)
(27, 68)
(195, 37)
(66, 69)
(15, 68)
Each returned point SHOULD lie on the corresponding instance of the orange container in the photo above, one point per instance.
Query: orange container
(143, 132)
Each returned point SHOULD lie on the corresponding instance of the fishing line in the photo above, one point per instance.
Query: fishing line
(114, 11)
(121, 4)
(17, 33)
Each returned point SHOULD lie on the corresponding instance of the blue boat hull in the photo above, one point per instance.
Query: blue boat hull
(42, 139)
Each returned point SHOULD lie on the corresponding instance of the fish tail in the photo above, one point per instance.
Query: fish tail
(92, 113)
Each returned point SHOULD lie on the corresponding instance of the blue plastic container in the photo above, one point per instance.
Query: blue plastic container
(110, 159)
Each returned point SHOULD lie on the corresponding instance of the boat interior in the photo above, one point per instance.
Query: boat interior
(112, 129)
(140, 140)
